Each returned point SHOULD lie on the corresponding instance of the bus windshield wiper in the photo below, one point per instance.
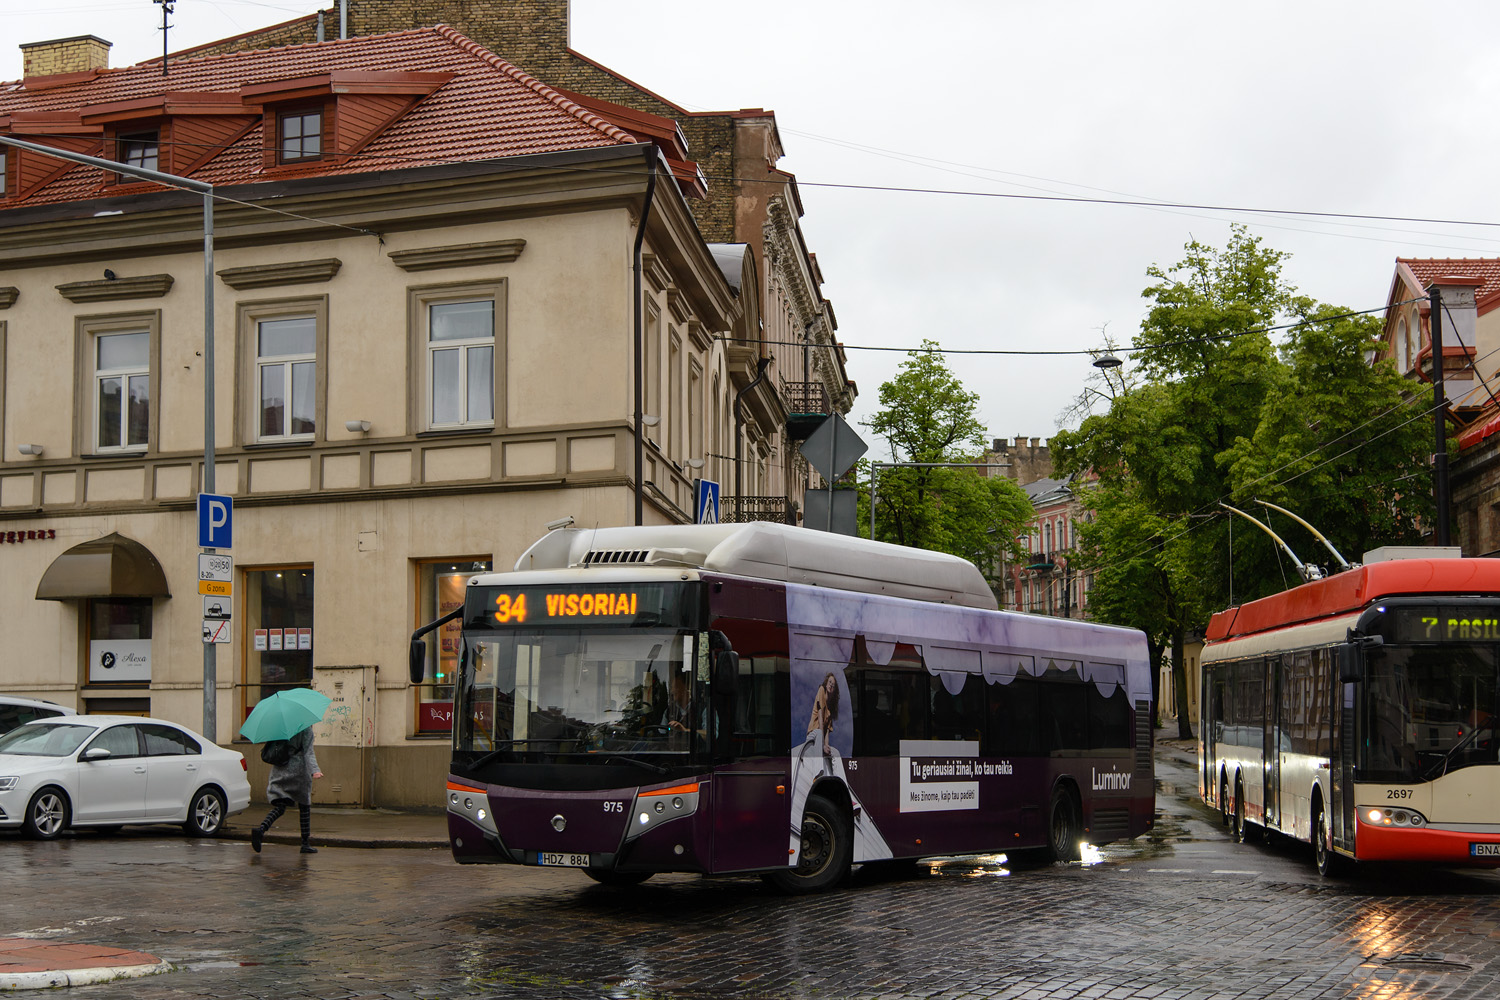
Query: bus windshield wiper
(1441, 767)
(654, 768)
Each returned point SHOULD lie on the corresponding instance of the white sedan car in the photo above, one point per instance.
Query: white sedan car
(103, 771)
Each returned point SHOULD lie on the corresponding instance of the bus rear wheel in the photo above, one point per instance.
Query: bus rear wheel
(1238, 826)
(1063, 827)
(827, 848)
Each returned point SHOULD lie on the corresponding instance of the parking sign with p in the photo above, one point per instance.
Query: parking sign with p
(215, 521)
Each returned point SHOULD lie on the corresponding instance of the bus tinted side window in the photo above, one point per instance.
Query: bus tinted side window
(760, 707)
(1110, 721)
(1014, 719)
(892, 708)
(1064, 710)
(958, 716)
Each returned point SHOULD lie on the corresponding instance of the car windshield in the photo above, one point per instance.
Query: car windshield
(1429, 710)
(537, 695)
(45, 740)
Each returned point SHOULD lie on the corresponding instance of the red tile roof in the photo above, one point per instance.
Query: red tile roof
(488, 109)
(1424, 269)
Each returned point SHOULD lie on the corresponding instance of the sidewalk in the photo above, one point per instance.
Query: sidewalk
(30, 964)
(333, 826)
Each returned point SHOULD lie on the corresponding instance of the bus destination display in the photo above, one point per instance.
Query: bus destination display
(1447, 624)
(601, 605)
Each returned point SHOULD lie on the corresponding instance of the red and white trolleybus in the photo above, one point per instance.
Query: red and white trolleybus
(1357, 712)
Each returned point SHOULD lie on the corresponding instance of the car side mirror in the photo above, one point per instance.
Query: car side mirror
(416, 662)
(96, 753)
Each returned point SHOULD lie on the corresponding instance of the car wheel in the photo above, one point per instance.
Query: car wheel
(47, 814)
(620, 880)
(827, 848)
(1064, 830)
(205, 816)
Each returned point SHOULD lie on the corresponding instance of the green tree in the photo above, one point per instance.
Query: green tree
(927, 416)
(1218, 412)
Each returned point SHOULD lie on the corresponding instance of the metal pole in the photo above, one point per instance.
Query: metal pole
(1440, 420)
(210, 649)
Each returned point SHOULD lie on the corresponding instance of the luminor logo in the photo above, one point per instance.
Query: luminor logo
(1111, 781)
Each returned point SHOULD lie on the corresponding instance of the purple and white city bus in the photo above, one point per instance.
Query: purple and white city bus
(758, 698)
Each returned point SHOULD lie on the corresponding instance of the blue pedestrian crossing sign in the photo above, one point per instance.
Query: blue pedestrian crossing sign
(707, 506)
(215, 521)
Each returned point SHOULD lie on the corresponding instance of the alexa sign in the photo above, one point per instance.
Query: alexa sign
(114, 660)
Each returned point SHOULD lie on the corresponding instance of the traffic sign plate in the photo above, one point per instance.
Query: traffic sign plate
(215, 566)
(215, 521)
(215, 631)
(217, 608)
(215, 587)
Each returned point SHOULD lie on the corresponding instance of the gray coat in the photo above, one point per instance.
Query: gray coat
(292, 781)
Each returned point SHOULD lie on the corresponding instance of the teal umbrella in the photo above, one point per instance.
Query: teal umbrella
(284, 715)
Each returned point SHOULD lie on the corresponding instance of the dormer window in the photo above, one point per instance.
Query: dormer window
(301, 136)
(139, 149)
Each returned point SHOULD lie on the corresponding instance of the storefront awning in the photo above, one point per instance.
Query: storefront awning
(112, 566)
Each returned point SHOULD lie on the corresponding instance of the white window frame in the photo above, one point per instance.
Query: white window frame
(250, 314)
(423, 351)
(287, 364)
(88, 331)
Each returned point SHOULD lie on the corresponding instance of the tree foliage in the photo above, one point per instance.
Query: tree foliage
(1220, 412)
(927, 416)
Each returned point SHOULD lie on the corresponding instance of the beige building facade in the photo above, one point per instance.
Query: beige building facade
(415, 370)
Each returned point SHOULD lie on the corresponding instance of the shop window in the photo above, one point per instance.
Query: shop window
(440, 589)
(120, 641)
(279, 631)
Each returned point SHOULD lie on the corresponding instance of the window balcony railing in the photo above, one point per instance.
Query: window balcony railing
(742, 510)
(807, 406)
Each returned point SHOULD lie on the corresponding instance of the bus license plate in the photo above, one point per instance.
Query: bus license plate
(563, 860)
(1484, 850)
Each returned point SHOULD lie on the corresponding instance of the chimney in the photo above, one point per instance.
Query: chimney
(78, 54)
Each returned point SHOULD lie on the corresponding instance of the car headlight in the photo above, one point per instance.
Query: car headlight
(6, 784)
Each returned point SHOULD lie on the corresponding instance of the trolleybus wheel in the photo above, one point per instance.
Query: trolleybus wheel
(1238, 828)
(827, 847)
(1329, 863)
(1225, 817)
(1063, 828)
(607, 876)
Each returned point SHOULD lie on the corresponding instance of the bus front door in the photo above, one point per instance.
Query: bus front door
(752, 817)
(1271, 757)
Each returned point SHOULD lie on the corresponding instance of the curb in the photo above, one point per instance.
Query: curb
(78, 977)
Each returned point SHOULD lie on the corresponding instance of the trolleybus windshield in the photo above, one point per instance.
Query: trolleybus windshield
(1429, 709)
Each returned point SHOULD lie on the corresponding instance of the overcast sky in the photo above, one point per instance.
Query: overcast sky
(1374, 107)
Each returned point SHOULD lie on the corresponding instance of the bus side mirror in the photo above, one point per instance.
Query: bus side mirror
(416, 662)
(1350, 667)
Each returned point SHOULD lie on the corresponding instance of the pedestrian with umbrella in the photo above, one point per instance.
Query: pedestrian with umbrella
(283, 722)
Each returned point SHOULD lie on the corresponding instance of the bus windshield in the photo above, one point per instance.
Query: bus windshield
(581, 694)
(1430, 710)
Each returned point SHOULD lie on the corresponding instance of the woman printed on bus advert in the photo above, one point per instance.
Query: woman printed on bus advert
(825, 709)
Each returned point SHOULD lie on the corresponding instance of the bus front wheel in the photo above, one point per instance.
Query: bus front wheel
(607, 876)
(827, 848)
(1064, 831)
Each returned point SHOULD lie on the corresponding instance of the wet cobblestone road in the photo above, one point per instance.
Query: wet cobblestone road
(1182, 914)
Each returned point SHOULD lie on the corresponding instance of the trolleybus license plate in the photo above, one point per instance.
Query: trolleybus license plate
(1484, 850)
(563, 860)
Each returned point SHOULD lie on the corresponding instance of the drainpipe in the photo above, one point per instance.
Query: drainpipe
(739, 434)
(640, 347)
(343, 19)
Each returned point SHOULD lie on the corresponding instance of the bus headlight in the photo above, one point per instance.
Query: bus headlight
(651, 807)
(1395, 817)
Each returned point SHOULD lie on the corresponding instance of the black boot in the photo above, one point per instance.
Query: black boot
(308, 848)
(257, 834)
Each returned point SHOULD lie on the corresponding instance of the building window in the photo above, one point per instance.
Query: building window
(4, 163)
(651, 361)
(440, 589)
(122, 390)
(138, 149)
(278, 631)
(119, 642)
(283, 381)
(286, 378)
(457, 339)
(300, 136)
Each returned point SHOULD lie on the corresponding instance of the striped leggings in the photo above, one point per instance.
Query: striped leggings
(304, 814)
